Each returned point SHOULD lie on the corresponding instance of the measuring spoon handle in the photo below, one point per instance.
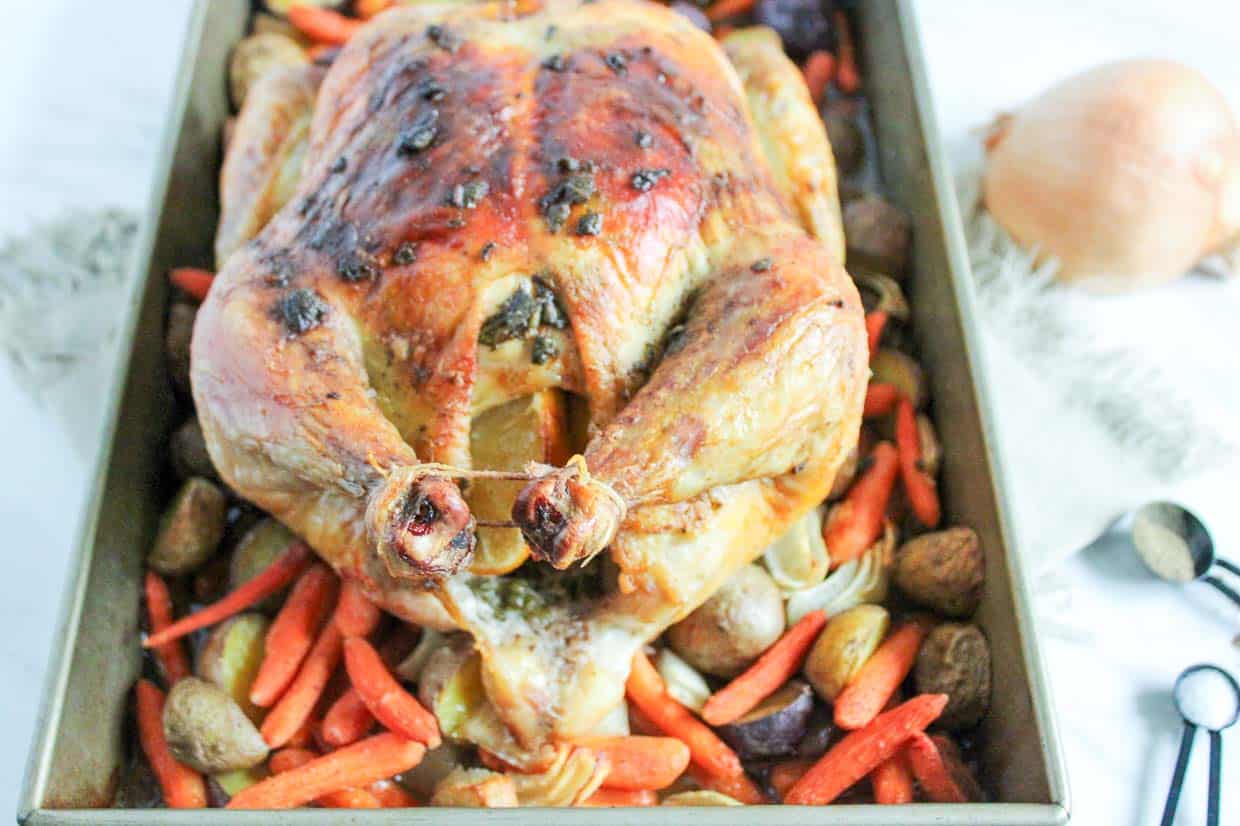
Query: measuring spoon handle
(1216, 777)
(1223, 589)
(1227, 565)
(1177, 779)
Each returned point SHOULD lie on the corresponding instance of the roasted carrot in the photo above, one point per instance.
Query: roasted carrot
(367, 9)
(875, 323)
(356, 615)
(192, 280)
(722, 30)
(323, 25)
(857, 522)
(183, 787)
(723, 9)
(323, 53)
(347, 721)
(354, 766)
(922, 496)
(785, 775)
(892, 781)
(171, 655)
(738, 786)
(609, 798)
(289, 758)
(877, 680)
(639, 763)
(880, 399)
(286, 568)
(861, 751)
(931, 771)
(646, 690)
(387, 700)
(847, 76)
(776, 665)
(818, 69)
(350, 798)
(293, 632)
(293, 708)
(392, 795)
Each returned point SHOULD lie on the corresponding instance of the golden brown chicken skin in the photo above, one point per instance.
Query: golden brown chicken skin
(498, 201)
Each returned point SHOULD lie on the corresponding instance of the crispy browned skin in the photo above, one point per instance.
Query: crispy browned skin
(719, 343)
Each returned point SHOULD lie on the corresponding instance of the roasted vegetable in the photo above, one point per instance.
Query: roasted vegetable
(802, 25)
(575, 774)
(475, 788)
(231, 658)
(254, 553)
(955, 660)
(177, 336)
(855, 582)
(190, 530)
(256, 55)
(435, 766)
(844, 476)
(882, 293)
(410, 668)
(684, 684)
(798, 559)
(889, 366)
(728, 631)
(847, 141)
(942, 570)
(775, 726)
(878, 235)
(209, 732)
(281, 7)
(820, 732)
(700, 797)
(450, 683)
(931, 449)
(960, 773)
(843, 647)
(233, 782)
(188, 449)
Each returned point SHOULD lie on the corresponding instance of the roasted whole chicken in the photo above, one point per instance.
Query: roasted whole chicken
(592, 211)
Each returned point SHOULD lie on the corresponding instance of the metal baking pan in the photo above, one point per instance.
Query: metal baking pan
(76, 757)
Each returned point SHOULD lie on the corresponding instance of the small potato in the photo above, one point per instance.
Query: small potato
(890, 366)
(843, 647)
(255, 56)
(955, 660)
(188, 448)
(190, 530)
(450, 682)
(847, 141)
(728, 631)
(232, 656)
(878, 234)
(177, 336)
(943, 571)
(209, 732)
(254, 553)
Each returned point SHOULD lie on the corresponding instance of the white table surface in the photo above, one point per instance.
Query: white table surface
(84, 88)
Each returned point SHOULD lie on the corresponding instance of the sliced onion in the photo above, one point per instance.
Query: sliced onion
(855, 582)
(798, 559)
(684, 684)
(411, 666)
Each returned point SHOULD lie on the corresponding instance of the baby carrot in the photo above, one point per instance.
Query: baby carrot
(391, 705)
(818, 69)
(857, 522)
(159, 614)
(645, 688)
(785, 775)
(861, 751)
(293, 632)
(892, 781)
(286, 568)
(356, 615)
(350, 798)
(192, 280)
(322, 25)
(931, 771)
(729, 8)
(608, 798)
(776, 665)
(847, 76)
(355, 766)
(391, 795)
(347, 721)
(639, 763)
(875, 323)
(293, 708)
(877, 680)
(289, 758)
(367, 9)
(880, 399)
(922, 496)
(183, 787)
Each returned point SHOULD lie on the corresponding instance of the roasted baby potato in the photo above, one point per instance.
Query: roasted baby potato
(890, 366)
(188, 448)
(843, 647)
(254, 553)
(190, 529)
(955, 660)
(177, 336)
(878, 234)
(232, 656)
(255, 56)
(943, 571)
(775, 726)
(728, 631)
(209, 732)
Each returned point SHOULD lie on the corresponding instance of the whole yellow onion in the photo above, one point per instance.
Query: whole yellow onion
(1127, 174)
